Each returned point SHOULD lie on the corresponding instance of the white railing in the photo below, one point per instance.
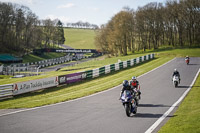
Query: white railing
(6, 90)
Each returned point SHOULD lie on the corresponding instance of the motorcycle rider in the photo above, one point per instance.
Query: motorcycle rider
(187, 58)
(135, 85)
(126, 86)
(176, 73)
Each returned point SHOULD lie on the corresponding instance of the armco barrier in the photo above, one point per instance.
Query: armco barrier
(6, 90)
(76, 77)
(24, 67)
(28, 86)
(71, 78)
(33, 85)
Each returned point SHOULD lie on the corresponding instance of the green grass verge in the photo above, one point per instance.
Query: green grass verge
(101, 61)
(5, 76)
(73, 91)
(182, 52)
(80, 38)
(34, 58)
(68, 92)
(96, 63)
(187, 117)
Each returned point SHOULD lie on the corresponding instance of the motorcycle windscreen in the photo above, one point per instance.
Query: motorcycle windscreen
(126, 93)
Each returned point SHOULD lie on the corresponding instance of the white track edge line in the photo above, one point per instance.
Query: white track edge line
(157, 123)
(14, 112)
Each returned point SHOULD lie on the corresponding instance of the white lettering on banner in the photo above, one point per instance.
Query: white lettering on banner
(74, 50)
(28, 86)
(74, 77)
(84, 75)
(62, 79)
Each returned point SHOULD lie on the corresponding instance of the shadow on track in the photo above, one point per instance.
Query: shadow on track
(149, 115)
(182, 86)
(193, 64)
(153, 105)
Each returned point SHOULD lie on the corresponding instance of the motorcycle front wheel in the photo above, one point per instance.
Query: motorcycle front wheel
(176, 84)
(128, 109)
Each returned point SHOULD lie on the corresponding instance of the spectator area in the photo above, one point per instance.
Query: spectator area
(7, 58)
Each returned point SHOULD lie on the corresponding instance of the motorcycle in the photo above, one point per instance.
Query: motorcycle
(187, 61)
(136, 96)
(129, 102)
(175, 80)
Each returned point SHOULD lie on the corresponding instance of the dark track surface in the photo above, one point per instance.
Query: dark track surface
(56, 67)
(103, 113)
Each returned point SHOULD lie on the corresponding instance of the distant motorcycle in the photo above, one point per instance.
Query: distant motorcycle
(187, 60)
(175, 80)
(129, 103)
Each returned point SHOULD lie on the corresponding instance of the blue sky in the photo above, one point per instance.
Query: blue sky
(93, 11)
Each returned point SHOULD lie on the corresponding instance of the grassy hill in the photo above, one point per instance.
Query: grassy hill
(34, 58)
(79, 38)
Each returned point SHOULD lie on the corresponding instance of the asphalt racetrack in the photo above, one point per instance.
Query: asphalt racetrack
(103, 112)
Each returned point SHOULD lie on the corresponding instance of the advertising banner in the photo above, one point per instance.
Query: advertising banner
(75, 77)
(71, 78)
(28, 86)
(62, 79)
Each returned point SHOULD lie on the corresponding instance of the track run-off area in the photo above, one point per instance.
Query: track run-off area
(103, 112)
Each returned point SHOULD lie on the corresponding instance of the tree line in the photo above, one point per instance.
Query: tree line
(21, 31)
(175, 23)
(82, 25)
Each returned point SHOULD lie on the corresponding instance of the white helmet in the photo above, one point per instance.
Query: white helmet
(133, 78)
(175, 70)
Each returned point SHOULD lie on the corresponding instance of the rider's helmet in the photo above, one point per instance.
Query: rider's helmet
(125, 83)
(134, 78)
(175, 70)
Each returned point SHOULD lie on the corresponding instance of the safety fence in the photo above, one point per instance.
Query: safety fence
(34, 85)
(6, 90)
(22, 67)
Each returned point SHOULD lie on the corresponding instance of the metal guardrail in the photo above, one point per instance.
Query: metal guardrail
(28, 86)
(6, 90)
